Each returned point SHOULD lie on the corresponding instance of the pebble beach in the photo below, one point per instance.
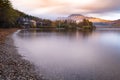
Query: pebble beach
(12, 65)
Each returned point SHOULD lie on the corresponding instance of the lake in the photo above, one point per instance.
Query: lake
(72, 55)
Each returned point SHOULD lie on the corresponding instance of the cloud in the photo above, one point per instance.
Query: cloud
(66, 7)
(103, 6)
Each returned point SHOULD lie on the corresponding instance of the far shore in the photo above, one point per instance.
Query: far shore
(5, 32)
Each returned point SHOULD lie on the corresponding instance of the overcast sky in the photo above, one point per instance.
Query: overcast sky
(106, 9)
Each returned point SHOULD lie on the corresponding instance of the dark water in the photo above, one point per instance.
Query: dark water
(72, 55)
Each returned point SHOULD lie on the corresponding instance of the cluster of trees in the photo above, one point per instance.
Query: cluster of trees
(85, 24)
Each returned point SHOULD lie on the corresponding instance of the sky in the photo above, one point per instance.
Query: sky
(51, 9)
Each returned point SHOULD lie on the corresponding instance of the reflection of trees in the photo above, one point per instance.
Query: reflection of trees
(86, 33)
(24, 34)
(60, 33)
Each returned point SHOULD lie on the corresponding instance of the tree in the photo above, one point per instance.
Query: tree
(86, 25)
(8, 15)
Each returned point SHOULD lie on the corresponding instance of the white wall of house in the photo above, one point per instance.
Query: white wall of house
(34, 23)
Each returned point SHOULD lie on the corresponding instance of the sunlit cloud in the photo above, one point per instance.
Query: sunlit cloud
(66, 7)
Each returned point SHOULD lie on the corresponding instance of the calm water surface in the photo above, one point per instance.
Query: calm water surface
(72, 55)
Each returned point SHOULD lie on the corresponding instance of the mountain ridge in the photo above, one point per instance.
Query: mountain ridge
(92, 19)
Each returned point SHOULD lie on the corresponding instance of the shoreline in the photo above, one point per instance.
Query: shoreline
(12, 65)
(5, 32)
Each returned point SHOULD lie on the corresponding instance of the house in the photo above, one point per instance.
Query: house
(33, 23)
(26, 22)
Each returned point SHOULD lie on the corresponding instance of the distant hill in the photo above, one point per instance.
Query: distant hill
(97, 20)
(115, 23)
(92, 19)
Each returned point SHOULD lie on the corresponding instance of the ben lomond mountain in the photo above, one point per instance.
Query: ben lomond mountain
(92, 19)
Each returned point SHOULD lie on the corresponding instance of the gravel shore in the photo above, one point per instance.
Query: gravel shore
(12, 65)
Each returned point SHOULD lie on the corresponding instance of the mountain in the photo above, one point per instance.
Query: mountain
(98, 22)
(92, 19)
(115, 23)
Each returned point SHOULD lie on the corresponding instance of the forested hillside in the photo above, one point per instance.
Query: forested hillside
(9, 16)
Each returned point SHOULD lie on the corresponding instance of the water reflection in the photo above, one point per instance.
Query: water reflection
(72, 55)
(36, 33)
